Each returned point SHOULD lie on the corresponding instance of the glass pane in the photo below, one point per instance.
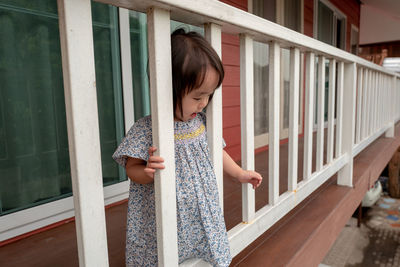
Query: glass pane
(34, 160)
(292, 14)
(285, 78)
(108, 83)
(261, 80)
(325, 24)
(34, 157)
(139, 58)
(265, 9)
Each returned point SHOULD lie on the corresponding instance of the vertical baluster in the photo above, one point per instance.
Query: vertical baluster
(371, 101)
(380, 100)
(214, 115)
(375, 125)
(384, 100)
(331, 109)
(247, 122)
(339, 110)
(345, 175)
(320, 113)
(373, 96)
(392, 104)
(158, 21)
(293, 117)
(359, 99)
(364, 108)
(274, 99)
(309, 110)
(76, 38)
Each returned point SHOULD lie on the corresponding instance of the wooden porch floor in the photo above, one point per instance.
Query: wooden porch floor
(301, 238)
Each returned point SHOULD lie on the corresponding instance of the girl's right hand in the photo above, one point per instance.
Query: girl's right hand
(153, 163)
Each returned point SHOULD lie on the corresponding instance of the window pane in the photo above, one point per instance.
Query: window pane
(108, 83)
(325, 24)
(292, 14)
(261, 80)
(34, 157)
(34, 161)
(265, 9)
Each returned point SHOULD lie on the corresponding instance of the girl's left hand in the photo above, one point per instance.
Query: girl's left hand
(251, 177)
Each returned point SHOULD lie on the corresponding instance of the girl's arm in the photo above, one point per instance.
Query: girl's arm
(243, 176)
(142, 172)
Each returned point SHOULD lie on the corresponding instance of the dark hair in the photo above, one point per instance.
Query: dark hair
(191, 56)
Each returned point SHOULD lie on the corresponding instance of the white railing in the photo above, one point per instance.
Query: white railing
(366, 97)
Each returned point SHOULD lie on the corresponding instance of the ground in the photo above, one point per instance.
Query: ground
(375, 243)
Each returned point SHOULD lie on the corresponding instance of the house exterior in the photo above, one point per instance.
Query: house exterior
(39, 124)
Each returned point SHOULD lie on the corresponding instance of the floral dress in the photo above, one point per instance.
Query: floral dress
(201, 227)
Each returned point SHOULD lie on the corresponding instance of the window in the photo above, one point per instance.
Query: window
(289, 14)
(330, 24)
(34, 157)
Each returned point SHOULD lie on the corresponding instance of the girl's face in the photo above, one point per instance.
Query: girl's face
(197, 99)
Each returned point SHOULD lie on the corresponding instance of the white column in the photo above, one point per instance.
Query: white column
(345, 175)
(392, 104)
(162, 115)
(273, 102)
(364, 108)
(293, 117)
(339, 110)
(360, 95)
(320, 113)
(247, 122)
(76, 36)
(370, 101)
(214, 115)
(308, 118)
(331, 110)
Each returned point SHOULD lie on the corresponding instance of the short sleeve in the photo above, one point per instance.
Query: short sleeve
(136, 143)
(203, 117)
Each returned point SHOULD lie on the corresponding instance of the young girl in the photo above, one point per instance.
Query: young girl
(197, 71)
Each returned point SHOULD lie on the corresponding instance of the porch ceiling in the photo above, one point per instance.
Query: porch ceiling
(391, 7)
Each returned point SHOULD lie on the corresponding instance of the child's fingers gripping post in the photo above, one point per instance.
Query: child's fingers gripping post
(154, 162)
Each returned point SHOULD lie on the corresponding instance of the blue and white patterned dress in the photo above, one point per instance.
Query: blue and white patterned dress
(201, 227)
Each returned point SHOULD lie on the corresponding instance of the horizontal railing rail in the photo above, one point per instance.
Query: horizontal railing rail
(362, 93)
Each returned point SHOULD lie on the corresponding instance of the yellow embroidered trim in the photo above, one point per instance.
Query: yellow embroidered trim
(194, 134)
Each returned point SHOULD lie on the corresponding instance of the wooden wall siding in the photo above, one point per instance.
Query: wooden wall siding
(351, 8)
(231, 94)
(308, 17)
(242, 4)
(231, 88)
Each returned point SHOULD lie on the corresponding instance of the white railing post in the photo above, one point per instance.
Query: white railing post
(274, 111)
(162, 116)
(339, 109)
(293, 118)
(360, 96)
(364, 108)
(214, 115)
(331, 110)
(369, 103)
(308, 118)
(392, 103)
(247, 122)
(320, 114)
(345, 175)
(76, 36)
